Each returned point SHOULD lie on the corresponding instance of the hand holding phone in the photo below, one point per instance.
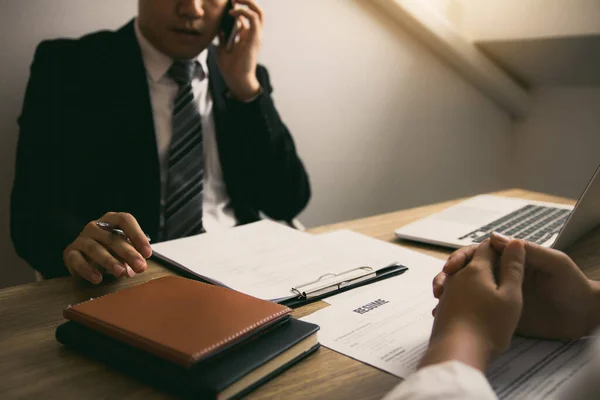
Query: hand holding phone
(239, 45)
(229, 26)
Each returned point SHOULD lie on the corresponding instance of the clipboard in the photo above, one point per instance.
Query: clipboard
(331, 284)
(325, 286)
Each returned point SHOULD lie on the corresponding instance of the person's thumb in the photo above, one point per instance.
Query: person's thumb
(512, 267)
(499, 241)
(538, 257)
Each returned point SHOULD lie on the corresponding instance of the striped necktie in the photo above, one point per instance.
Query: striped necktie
(184, 193)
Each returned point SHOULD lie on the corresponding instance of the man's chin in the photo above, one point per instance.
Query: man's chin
(187, 52)
(185, 46)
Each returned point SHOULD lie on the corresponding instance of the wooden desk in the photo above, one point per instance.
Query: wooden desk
(34, 365)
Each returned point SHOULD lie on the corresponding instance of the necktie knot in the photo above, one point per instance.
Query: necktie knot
(182, 71)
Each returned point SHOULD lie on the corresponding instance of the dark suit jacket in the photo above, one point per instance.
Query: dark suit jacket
(87, 146)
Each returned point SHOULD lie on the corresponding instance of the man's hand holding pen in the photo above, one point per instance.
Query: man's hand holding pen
(115, 244)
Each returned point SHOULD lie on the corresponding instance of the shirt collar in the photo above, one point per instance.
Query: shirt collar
(157, 64)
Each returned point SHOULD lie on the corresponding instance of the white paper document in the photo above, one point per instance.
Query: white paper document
(387, 325)
(266, 259)
(263, 259)
(360, 248)
(537, 369)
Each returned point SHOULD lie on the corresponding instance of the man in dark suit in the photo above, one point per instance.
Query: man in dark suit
(150, 127)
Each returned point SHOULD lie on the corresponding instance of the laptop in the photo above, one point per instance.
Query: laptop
(472, 221)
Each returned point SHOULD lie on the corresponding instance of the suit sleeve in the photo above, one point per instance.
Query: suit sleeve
(41, 228)
(279, 183)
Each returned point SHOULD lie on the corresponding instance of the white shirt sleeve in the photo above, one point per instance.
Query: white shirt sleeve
(451, 380)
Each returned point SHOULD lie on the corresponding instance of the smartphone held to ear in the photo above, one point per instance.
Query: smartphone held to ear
(229, 26)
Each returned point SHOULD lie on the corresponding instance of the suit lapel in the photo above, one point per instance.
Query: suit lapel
(133, 95)
(218, 90)
(138, 138)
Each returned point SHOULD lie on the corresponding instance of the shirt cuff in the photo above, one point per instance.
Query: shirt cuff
(450, 380)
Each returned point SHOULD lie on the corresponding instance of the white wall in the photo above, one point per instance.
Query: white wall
(379, 121)
(557, 146)
(521, 19)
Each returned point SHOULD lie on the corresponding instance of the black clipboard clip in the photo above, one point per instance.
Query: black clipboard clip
(331, 284)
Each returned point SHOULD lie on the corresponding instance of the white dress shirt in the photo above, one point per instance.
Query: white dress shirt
(217, 212)
(451, 380)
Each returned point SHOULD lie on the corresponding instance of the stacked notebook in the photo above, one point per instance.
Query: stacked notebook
(189, 338)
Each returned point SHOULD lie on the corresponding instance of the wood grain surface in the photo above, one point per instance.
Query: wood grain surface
(34, 365)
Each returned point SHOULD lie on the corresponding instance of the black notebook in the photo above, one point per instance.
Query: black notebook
(230, 375)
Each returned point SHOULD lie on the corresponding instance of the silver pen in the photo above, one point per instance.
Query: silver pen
(115, 229)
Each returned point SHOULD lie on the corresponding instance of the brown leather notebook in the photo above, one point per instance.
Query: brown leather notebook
(178, 319)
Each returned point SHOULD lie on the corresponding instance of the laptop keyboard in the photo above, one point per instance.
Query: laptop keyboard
(533, 223)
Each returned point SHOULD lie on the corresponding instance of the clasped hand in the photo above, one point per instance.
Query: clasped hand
(479, 308)
(490, 291)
